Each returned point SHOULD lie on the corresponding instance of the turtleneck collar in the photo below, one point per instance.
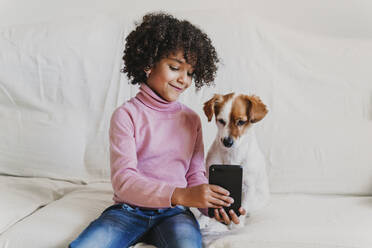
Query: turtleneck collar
(148, 97)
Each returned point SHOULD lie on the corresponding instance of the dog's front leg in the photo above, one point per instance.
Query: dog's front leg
(249, 195)
(233, 226)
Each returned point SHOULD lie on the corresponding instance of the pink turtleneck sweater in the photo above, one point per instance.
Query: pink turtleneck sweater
(155, 146)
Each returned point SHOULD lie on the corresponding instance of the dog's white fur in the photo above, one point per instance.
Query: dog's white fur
(244, 151)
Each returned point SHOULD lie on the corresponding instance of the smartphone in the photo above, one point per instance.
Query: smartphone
(230, 178)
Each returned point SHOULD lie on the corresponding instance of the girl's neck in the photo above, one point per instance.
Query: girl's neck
(149, 97)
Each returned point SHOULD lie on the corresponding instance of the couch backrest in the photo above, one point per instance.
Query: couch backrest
(61, 80)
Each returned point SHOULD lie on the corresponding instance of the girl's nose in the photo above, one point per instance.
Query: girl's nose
(182, 78)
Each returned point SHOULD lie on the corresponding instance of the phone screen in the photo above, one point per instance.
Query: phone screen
(228, 177)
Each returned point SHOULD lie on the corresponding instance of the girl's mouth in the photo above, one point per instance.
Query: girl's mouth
(176, 88)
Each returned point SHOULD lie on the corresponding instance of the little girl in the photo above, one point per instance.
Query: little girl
(156, 144)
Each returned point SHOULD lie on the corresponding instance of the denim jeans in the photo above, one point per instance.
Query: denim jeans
(121, 226)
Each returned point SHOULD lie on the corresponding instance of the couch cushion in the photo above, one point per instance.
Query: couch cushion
(21, 197)
(60, 221)
(59, 83)
(289, 221)
(304, 221)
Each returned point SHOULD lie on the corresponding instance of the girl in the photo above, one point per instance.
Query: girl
(156, 145)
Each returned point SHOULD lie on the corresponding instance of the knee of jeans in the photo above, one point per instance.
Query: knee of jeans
(93, 237)
(185, 236)
(187, 228)
(186, 243)
(85, 243)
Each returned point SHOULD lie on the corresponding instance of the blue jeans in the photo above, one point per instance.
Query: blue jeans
(121, 226)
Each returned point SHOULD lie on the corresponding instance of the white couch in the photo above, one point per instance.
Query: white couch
(60, 82)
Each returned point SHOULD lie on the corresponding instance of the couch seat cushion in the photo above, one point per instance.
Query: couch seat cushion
(290, 220)
(304, 221)
(21, 197)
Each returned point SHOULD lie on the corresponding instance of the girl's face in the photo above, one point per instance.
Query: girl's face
(170, 76)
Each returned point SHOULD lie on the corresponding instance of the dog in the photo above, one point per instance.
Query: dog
(236, 144)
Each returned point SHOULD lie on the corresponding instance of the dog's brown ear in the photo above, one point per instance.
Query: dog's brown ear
(209, 106)
(256, 109)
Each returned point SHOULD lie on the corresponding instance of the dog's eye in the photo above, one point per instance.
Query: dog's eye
(222, 122)
(241, 123)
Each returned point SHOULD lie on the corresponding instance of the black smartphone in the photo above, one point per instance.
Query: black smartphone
(230, 178)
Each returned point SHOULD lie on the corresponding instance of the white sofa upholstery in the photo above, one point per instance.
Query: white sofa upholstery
(60, 81)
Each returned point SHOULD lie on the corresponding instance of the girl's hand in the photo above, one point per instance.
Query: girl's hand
(221, 216)
(202, 196)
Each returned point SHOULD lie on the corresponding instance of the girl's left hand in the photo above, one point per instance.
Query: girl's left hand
(221, 215)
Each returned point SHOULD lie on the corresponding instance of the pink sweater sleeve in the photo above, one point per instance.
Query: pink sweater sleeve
(128, 184)
(196, 173)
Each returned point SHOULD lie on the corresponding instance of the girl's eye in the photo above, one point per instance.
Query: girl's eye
(222, 122)
(190, 74)
(173, 68)
(241, 123)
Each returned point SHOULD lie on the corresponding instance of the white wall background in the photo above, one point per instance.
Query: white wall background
(344, 18)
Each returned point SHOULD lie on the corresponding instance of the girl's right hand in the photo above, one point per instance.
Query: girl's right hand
(202, 196)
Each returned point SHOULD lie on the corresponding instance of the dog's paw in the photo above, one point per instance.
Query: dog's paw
(233, 226)
(203, 221)
(215, 227)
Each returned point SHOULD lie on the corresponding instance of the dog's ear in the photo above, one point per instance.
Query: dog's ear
(210, 105)
(256, 109)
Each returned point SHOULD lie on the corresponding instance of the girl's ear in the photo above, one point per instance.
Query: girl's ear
(209, 106)
(256, 109)
(147, 71)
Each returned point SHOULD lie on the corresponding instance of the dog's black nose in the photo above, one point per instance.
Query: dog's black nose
(228, 141)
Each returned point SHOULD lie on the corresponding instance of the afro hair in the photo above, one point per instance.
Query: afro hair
(159, 35)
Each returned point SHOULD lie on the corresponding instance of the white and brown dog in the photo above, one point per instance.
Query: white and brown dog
(236, 144)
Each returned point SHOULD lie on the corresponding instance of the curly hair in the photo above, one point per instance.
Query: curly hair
(158, 36)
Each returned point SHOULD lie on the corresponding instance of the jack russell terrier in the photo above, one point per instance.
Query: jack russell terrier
(236, 143)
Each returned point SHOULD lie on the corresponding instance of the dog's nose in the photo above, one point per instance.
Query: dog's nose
(228, 141)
